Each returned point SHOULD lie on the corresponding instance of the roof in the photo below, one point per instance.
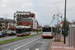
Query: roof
(7, 20)
(23, 12)
(47, 26)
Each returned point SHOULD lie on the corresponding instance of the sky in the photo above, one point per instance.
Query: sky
(43, 9)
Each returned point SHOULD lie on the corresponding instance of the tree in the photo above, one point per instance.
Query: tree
(67, 25)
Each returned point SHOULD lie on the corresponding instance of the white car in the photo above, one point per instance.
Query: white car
(10, 33)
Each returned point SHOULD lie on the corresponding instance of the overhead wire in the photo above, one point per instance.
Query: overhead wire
(53, 19)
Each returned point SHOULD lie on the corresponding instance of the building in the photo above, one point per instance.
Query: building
(26, 19)
(22, 14)
(7, 23)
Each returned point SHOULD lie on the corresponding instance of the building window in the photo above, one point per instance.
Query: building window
(32, 15)
(20, 24)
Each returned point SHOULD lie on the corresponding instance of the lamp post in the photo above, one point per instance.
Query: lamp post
(65, 22)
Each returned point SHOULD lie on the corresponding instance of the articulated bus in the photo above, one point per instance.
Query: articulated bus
(23, 30)
(48, 31)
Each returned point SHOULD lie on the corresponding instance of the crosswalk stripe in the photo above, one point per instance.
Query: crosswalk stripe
(36, 49)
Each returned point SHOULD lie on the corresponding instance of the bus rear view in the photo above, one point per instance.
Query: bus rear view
(47, 32)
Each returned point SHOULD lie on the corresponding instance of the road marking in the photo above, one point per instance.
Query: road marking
(62, 47)
(8, 49)
(26, 44)
(41, 42)
(36, 49)
(68, 47)
(27, 49)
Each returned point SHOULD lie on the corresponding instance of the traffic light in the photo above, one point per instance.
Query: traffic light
(65, 32)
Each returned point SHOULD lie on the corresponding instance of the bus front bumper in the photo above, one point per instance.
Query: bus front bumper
(20, 34)
(47, 36)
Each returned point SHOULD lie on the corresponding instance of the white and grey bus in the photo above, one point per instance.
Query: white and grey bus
(47, 31)
(23, 30)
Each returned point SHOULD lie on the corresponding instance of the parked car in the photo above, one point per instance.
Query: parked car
(2, 34)
(13, 32)
(10, 33)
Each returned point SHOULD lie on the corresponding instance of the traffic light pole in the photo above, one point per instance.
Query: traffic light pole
(65, 23)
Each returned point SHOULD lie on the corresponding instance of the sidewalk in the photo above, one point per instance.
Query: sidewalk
(60, 45)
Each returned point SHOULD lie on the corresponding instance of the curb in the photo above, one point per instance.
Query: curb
(18, 39)
(50, 44)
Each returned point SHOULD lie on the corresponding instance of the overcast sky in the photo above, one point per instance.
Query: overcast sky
(44, 9)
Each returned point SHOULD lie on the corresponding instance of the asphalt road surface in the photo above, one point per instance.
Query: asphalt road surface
(32, 43)
(10, 37)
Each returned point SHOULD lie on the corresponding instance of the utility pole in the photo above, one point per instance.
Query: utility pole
(65, 23)
(61, 24)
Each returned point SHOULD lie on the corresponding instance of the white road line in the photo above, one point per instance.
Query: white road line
(26, 44)
(41, 42)
(8, 49)
(36, 49)
(27, 49)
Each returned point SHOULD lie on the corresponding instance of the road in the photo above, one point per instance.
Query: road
(32, 43)
(10, 37)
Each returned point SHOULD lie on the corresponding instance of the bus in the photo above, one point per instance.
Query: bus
(23, 30)
(48, 31)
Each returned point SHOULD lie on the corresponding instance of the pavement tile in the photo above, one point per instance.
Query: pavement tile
(60, 45)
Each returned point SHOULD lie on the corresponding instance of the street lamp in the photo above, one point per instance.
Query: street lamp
(65, 22)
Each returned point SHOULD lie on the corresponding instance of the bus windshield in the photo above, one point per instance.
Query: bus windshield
(46, 29)
(27, 29)
(19, 31)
